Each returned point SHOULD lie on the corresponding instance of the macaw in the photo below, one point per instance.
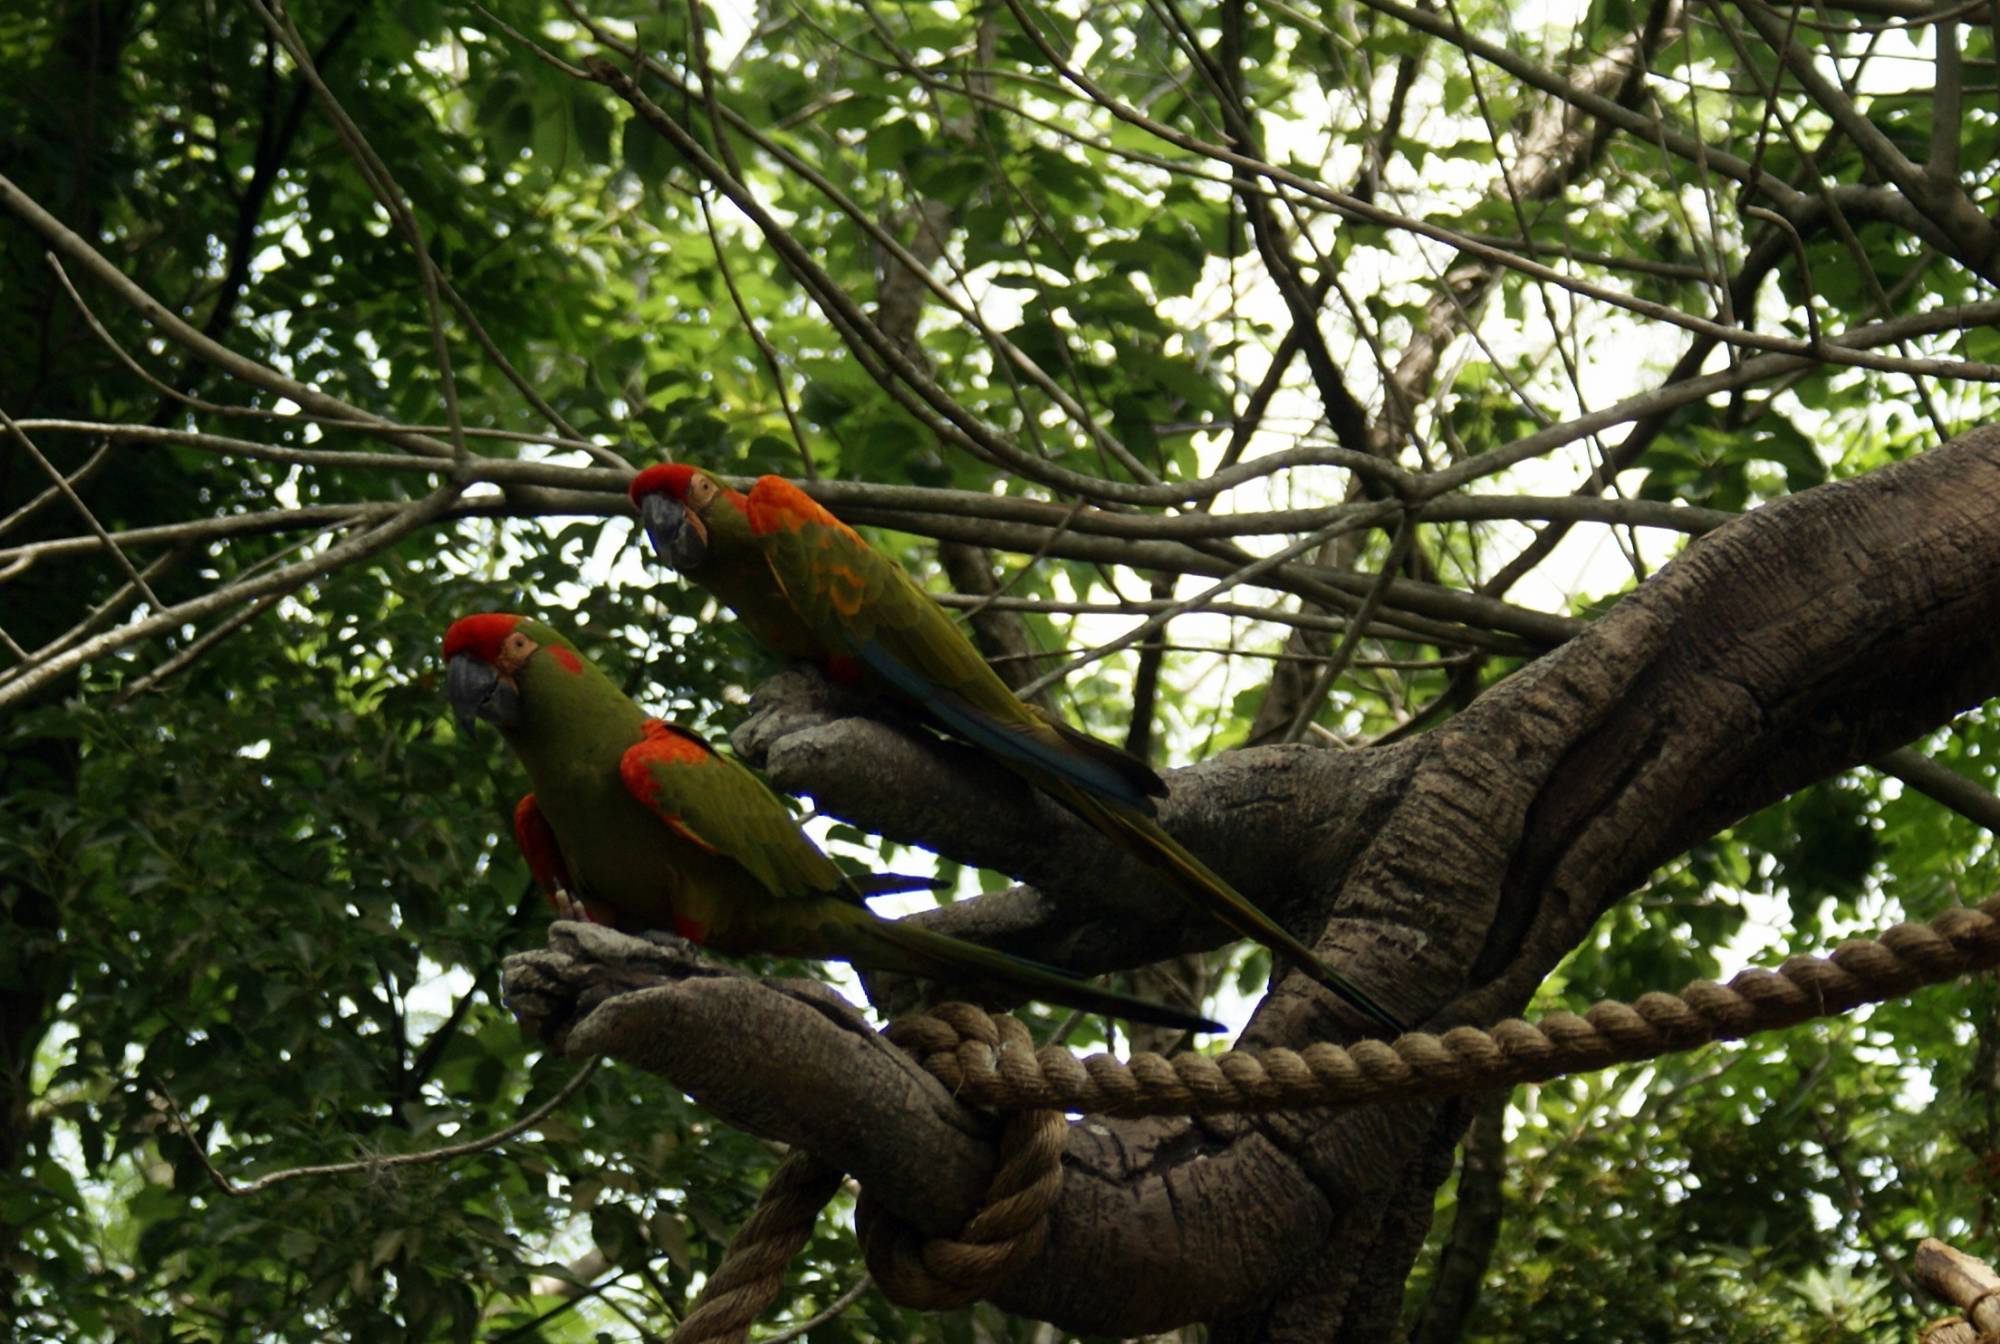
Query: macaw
(809, 587)
(644, 825)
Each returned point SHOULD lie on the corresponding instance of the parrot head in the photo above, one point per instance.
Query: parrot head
(673, 500)
(484, 655)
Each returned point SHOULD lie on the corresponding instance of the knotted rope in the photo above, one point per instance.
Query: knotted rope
(992, 1061)
(946, 1272)
(932, 1274)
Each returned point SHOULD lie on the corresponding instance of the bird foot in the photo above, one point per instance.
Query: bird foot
(568, 906)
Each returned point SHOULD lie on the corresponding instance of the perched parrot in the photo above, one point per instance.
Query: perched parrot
(808, 587)
(647, 826)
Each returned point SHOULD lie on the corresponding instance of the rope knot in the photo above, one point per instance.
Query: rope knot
(941, 1272)
(938, 1273)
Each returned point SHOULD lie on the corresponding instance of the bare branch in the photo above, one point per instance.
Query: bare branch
(1159, 622)
(76, 501)
(1943, 785)
(406, 520)
(965, 428)
(486, 1143)
(833, 1310)
(1323, 680)
(1364, 210)
(236, 366)
(383, 184)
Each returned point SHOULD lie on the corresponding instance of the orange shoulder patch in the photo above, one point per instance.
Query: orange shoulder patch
(776, 505)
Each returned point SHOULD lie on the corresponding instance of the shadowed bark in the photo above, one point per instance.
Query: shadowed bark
(1447, 875)
(1475, 1226)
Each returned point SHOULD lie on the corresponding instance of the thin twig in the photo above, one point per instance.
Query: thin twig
(188, 656)
(96, 618)
(68, 243)
(76, 501)
(406, 520)
(51, 493)
(236, 1190)
(1368, 212)
(834, 1309)
(384, 186)
(1150, 624)
(1357, 626)
(765, 350)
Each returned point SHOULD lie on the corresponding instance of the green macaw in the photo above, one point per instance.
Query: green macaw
(644, 825)
(808, 587)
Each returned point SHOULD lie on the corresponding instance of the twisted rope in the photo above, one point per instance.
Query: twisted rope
(1005, 1234)
(912, 1271)
(753, 1267)
(992, 1062)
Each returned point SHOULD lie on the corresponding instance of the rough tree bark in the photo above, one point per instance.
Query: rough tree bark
(1475, 1227)
(1448, 874)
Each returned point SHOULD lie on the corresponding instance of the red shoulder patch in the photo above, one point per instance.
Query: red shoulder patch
(778, 505)
(670, 742)
(691, 929)
(669, 477)
(537, 843)
(480, 635)
(570, 662)
(663, 744)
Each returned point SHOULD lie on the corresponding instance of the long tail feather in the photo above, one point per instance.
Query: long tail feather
(893, 884)
(902, 946)
(1224, 902)
(1061, 755)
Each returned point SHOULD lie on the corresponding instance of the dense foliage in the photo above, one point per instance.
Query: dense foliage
(270, 889)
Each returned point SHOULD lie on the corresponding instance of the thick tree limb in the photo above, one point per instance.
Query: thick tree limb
(750, 1051)
(1475, 1228)
(1449, 872)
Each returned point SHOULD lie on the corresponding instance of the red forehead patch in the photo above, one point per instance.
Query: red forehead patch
(480, 635)
(670, 477)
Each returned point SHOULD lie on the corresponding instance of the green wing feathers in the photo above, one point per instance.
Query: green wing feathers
(725, 809)
(861, 604)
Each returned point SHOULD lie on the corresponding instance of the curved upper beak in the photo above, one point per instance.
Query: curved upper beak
(679, 537)
(476, 691)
